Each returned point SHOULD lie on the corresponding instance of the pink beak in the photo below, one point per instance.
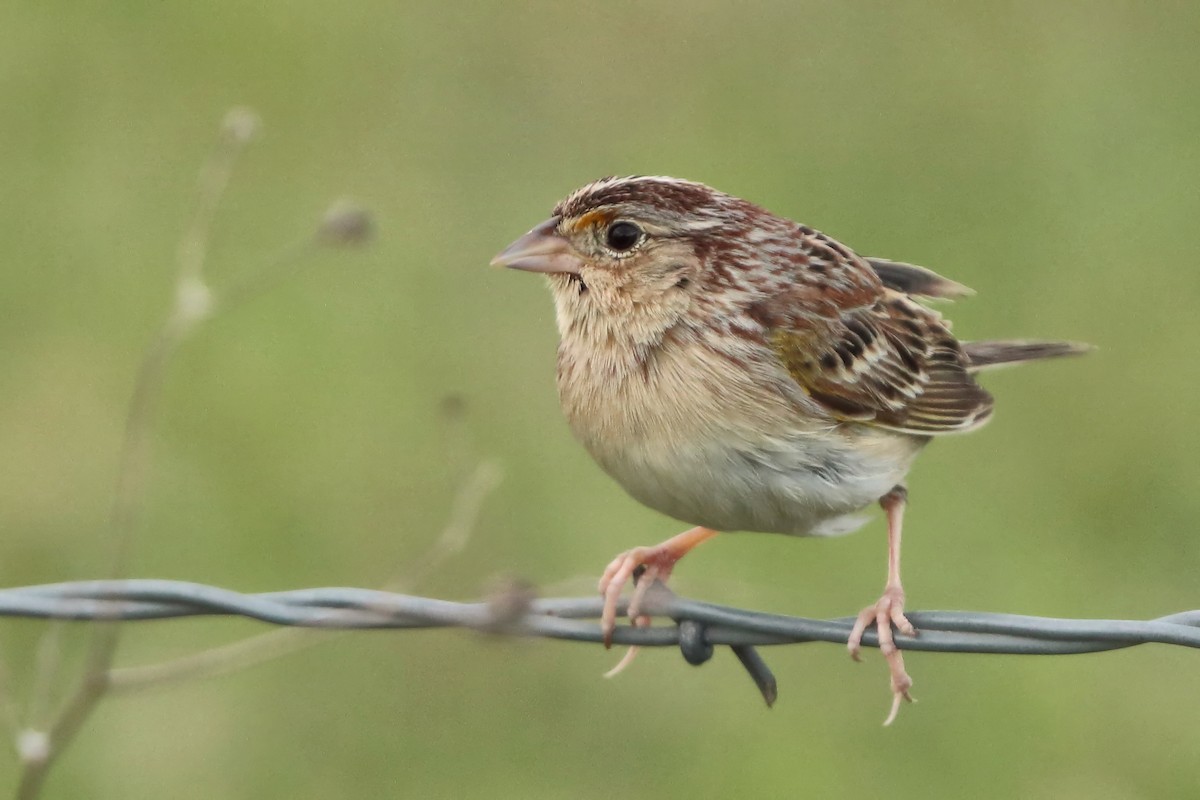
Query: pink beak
(541, 250)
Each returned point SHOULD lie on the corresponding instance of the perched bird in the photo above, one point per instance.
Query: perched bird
(737, 370)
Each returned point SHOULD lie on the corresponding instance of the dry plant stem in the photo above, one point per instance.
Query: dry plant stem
(453, 539)
(45, 676)
(8, 708)
(270, 275)
(464, 516)
(192, 304)
(344, 225)
(126, 511)
(221, 660)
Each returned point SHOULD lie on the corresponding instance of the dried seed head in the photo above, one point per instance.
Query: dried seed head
(453, 406)
(33, 747)
(241, 124)
(193, 300)
(346, 224)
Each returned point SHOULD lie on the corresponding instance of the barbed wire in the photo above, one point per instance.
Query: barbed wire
(698, 626)
(564, 617)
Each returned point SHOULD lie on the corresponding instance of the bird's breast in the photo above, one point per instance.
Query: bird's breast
(723, 440)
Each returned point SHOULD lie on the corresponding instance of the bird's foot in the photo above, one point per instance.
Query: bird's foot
(886, 612)
(646, 565)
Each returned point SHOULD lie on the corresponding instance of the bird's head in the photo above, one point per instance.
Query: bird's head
(631, 251)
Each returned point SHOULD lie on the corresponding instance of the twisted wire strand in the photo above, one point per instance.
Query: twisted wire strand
(569, 618)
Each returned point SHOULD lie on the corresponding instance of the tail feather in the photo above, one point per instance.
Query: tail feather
(987, 355)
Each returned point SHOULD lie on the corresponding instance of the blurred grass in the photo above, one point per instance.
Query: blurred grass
(1044, 154)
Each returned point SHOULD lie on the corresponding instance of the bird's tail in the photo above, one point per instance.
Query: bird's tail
(988, 355)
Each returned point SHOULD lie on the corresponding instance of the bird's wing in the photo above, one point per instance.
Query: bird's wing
(918, 281)
(867, 352)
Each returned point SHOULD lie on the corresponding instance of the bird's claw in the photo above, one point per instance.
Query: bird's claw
(644, 566)
(882, 615)
(897, 696)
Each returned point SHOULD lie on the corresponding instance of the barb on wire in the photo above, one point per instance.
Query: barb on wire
(698, 627)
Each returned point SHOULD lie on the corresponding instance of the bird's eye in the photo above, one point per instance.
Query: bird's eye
(622, 235)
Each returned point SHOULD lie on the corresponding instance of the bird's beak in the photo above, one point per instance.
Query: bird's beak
(541, 250)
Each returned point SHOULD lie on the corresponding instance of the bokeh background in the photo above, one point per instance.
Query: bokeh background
(1045, 154)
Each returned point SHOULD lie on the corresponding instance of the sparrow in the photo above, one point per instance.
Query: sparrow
(739, 371)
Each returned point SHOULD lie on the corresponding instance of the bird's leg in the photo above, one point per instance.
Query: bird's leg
(889, 609)
(658, 561)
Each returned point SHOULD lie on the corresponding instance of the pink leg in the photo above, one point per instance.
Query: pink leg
(889, 609)
(658, 560)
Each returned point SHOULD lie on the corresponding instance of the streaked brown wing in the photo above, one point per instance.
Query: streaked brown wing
(873, 355)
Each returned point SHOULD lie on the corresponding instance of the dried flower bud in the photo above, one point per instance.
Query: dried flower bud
(193, 300)
(241, 124)
(33, 747)
(346, 224)
(453, 406)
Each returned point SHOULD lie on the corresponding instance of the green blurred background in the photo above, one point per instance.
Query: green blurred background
(1045, 154)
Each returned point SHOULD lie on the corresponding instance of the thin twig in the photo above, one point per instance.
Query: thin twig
(9, 716)
(344, 224)
(222, 660)
(46, 664)
(192, 304)
(453, 539)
